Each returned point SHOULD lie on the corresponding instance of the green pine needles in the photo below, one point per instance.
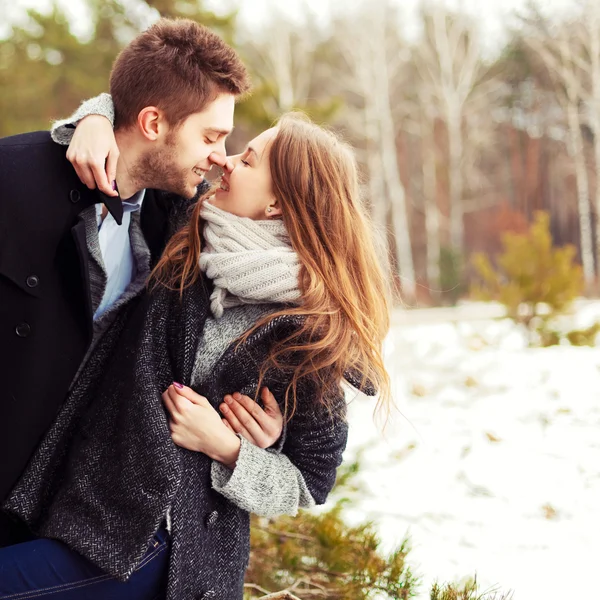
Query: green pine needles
(535, 281)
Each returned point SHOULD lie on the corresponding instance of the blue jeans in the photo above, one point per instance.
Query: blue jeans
(48, 568)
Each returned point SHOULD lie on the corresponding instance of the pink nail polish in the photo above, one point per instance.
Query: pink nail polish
(177, 385)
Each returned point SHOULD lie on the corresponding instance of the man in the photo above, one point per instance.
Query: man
(71, 257)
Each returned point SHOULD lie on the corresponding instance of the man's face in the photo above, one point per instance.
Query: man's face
(179, 161)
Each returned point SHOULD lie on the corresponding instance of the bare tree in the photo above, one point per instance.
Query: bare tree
(430, 202)
(363, 38)
(584, 56)
(592, 22)
(558, 49)
(286, 57)
(389, 153)
(451, 64)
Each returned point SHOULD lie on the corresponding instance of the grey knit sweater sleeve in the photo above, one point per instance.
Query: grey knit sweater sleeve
(62, 131)
(263, 482)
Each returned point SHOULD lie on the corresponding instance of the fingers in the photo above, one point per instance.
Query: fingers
(190, 394)
(84, 173)
(177, 437)
(253, 410)
(244, 414)
(111, 172)
(169, 405)
(93, 174)
(94, 154)
(234, 422)
(270, 403)
(101, 178)
(175, 403)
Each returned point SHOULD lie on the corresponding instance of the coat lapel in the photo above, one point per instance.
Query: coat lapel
(154, 219)
(98, 277)
(190, 314)
(78, 232)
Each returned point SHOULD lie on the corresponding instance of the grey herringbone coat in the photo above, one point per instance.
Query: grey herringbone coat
(105, 475)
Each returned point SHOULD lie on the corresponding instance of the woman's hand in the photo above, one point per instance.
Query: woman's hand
(93, 153)
(244, 416)
(197, 426)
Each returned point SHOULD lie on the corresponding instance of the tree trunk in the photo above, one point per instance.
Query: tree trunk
(594, 33)
(455, 178)
(378, 200)
(389, 157)
(397, 194)
(362, 61)
(576, 151)
(282, 68)
(533, 160)
(432, 213)
(516, 163)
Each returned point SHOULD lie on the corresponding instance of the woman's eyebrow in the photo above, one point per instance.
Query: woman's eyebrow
(252, 151)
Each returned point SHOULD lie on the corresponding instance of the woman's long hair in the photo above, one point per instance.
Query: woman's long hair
(345, 296)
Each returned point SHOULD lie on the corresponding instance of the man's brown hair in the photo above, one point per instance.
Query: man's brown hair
(178, 66)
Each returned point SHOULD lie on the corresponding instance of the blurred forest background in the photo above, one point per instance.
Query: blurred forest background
(457, 145)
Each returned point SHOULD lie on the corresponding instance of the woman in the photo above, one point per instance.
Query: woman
(287, 294)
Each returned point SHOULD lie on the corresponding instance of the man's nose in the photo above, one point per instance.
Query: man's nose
(221, 161)
(219, 150)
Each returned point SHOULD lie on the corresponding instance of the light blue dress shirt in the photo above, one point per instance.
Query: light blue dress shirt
(117, 255)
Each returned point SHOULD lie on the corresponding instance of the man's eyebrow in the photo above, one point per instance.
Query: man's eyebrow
(218, 130)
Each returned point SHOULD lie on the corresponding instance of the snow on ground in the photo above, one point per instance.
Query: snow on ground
(493, 466)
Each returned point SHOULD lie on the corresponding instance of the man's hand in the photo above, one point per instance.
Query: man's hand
(244, 416)
(93, 153)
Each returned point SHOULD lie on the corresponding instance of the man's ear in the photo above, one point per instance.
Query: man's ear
(151, 123)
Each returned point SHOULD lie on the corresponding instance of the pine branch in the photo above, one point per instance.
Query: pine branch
(280, 596)
(286, 534)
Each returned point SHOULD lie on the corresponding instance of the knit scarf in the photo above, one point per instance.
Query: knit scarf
(249, 262)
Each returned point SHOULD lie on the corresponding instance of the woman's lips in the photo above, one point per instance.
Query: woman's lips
(224, 185)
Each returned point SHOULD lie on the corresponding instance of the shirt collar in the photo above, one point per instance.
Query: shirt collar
(116, 207)
(134, 203)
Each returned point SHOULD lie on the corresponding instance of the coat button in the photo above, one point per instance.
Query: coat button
(23, 329)
(74, 196)
(32, 281)
(211, 519)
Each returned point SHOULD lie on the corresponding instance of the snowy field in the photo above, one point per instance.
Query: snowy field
(493, 467)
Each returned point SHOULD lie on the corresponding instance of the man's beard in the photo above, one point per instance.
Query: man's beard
(158, 169)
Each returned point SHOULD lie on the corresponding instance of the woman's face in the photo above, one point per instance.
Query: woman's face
(247, 190)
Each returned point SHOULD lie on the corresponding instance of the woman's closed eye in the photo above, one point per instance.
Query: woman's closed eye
(245, 162)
